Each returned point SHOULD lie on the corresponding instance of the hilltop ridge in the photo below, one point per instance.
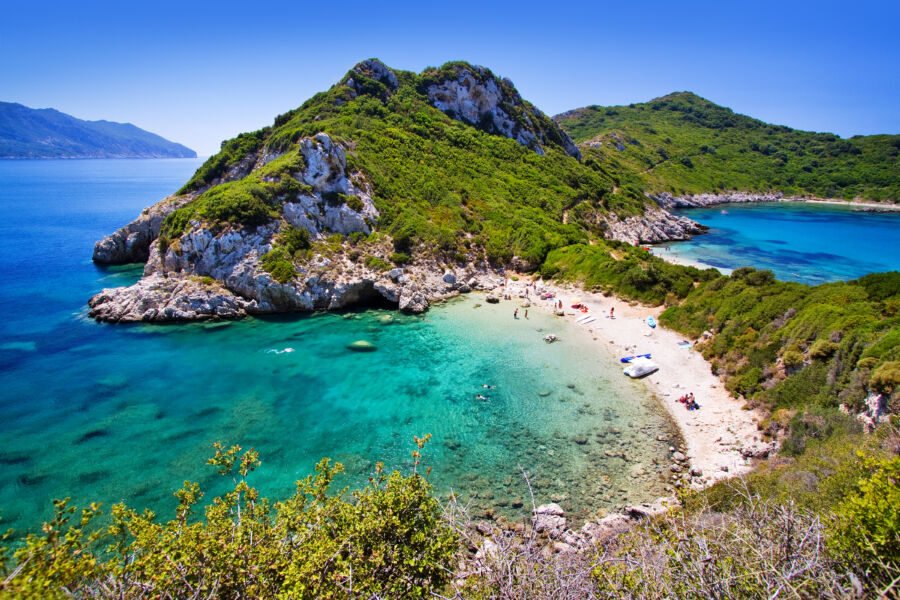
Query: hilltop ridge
(685, 144)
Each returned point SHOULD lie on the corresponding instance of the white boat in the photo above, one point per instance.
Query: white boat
(640, 367)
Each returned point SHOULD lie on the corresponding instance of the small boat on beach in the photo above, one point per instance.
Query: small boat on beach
(640, 367)
(631, 358)
(651, 321)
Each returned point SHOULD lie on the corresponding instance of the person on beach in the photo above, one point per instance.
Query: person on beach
(516, 314)
(612, 310)
(526, 313)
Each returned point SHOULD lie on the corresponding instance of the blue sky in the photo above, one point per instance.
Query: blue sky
(201, 72)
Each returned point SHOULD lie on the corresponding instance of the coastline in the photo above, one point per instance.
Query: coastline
(851, 203)
(684, 262)
(715, 435)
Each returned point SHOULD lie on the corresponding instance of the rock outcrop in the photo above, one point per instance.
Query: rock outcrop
(373, 69)
(667, 200)
(231, 255)
(474, 95)
(164, 299)
(654, 226)
(131, 243)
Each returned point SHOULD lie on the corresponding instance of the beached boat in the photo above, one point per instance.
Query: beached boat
(640, 367)
(651, 321)
(631, 358)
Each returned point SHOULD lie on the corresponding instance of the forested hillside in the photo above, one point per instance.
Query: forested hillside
(683, 143)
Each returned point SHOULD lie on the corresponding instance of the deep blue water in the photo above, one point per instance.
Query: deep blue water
(112, 413)
(805, 242)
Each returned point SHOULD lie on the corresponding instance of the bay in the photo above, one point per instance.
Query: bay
(807, 242)
(126, 413)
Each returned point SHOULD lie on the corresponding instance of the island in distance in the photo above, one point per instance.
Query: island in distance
(47, 133)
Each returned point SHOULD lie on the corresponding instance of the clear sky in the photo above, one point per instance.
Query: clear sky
(201, 72)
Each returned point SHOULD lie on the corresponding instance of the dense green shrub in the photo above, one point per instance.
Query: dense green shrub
(387, 539)
(842, 324)
(294, 238)
(279, 264)
(628, 271)
(792, 359)
(377, 264)
(886, 378)
(400, 258)
(822, 349)
(867, 524)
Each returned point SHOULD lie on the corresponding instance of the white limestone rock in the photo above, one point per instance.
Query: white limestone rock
(477, 97)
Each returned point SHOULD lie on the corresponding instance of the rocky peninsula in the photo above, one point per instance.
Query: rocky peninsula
(214, 251)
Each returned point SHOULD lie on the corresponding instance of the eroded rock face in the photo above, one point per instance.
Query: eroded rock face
(131, 244)
(477, 97)
(163, 299)
(373, 69)
(654, 226)
(326, 172)
(231, 255)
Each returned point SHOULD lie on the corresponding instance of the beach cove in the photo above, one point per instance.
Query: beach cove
(721, 433)
(125, 413)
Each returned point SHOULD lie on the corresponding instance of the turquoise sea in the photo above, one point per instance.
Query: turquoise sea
(805, 242)
(126, 413)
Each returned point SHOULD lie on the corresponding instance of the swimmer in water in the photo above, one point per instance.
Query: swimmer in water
(480, 397)
(488, 387)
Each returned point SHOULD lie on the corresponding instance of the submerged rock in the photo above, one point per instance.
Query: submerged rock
(362, 346)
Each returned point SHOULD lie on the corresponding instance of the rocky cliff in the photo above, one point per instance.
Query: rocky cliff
(473, 94)
(656, 225)
(218, 271)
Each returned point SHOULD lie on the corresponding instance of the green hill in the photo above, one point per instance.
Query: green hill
(47, 133)
(498, 181)
(682, 143)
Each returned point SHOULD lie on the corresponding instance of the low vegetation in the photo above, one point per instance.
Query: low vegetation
(387, 539)
(393, 539)
(628, 272)
(790, 346)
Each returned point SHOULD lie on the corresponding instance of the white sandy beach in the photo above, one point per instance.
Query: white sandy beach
(714, 434)
(671, 256)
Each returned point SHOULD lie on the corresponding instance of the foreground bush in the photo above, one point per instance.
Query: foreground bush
(387, 539)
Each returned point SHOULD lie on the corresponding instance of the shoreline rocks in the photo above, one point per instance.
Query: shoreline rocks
(667, 200)
(654, 226)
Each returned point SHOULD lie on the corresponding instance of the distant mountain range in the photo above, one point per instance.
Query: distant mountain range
(47, 133)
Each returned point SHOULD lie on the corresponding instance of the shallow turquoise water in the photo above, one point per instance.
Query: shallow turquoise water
(110, 413)
(809, 243)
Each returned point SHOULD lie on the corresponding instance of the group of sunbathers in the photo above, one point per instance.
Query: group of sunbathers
(689, 402)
